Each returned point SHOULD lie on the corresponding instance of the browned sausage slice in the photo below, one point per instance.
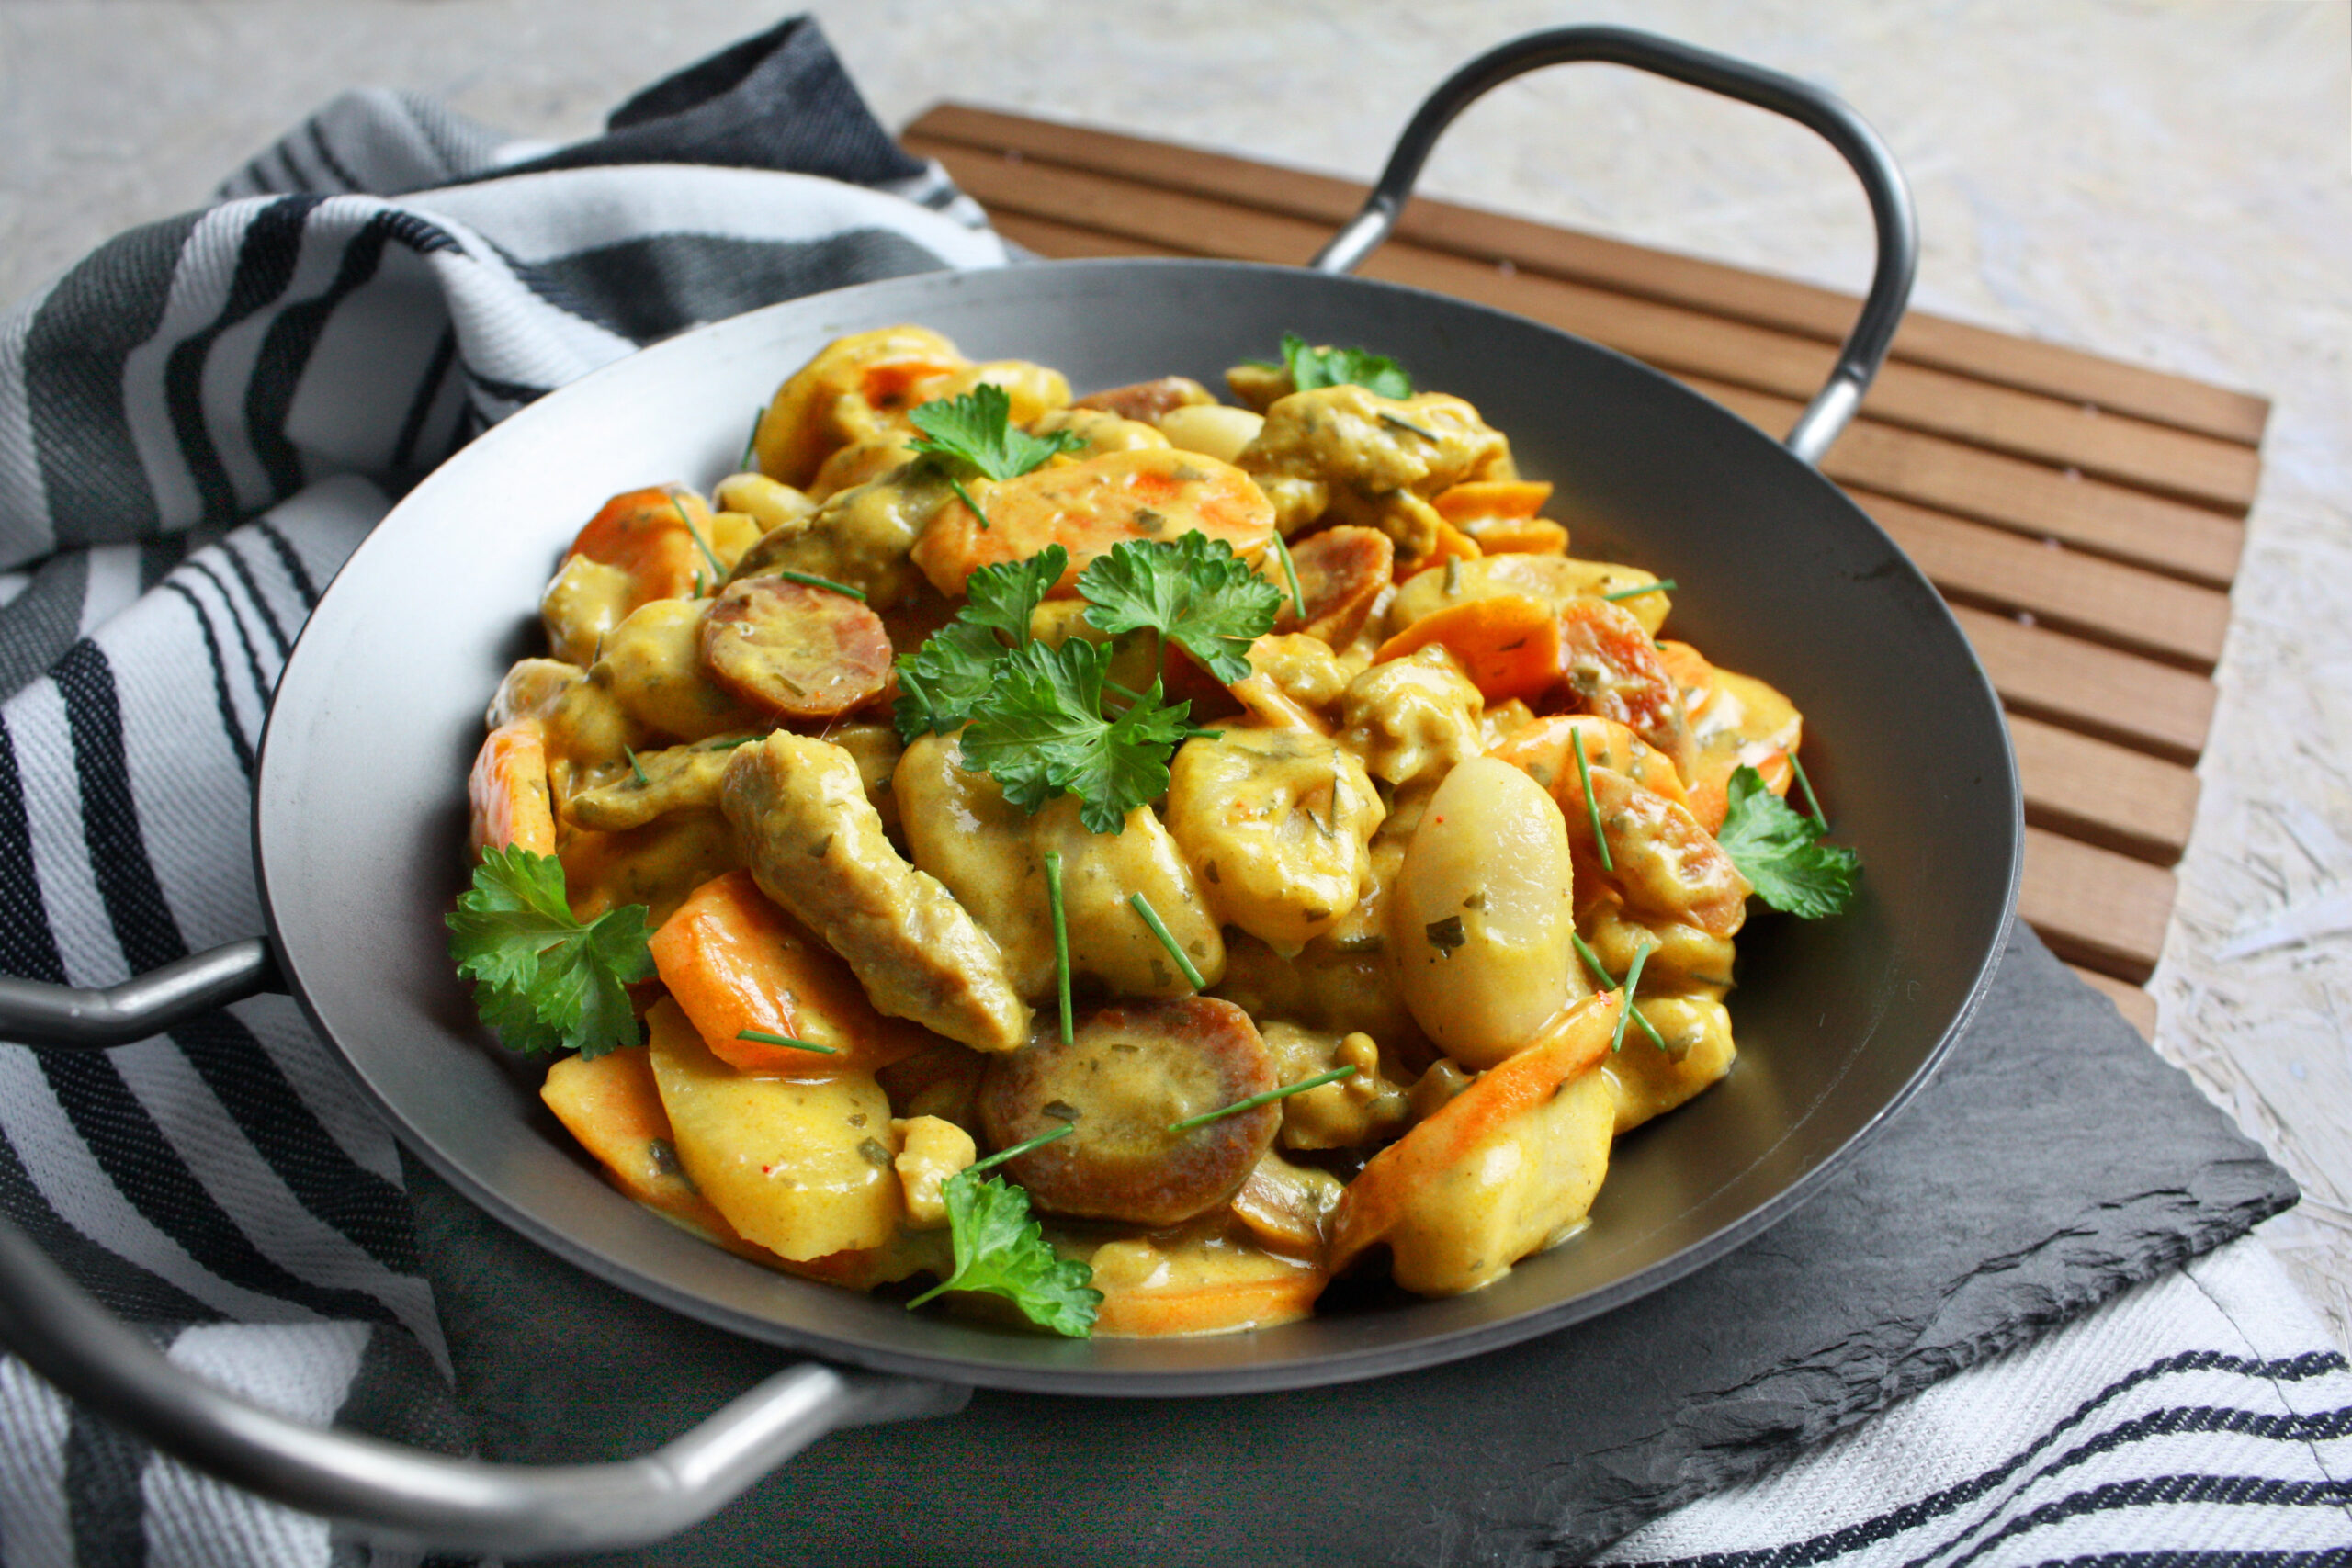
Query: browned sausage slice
(1146, 401)
(1341, 573)
(803, 652)
(1135, 1068)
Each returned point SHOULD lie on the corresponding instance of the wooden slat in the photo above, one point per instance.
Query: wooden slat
(2093, 690)
(1824, 315)
(2103, 794)
(2111, 520)
(2138, 1007)
(1672, 337)
(2095, 907)
(2102, 600)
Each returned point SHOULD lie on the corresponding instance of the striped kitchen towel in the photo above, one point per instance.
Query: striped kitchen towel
(202, 421)
(198, 423)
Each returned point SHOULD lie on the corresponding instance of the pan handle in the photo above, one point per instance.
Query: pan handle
(76, 1017)
(1830, 118)
(403, 1496)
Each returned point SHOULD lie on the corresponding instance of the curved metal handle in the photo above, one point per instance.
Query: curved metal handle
(407, 1497)
(1898, 233)
(76, 1017)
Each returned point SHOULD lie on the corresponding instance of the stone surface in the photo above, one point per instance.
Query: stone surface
(2054, 1162)
(2169, 184)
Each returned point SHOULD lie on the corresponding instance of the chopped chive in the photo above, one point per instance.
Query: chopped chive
(1017, 1150)
(1662, 585)
(697, 583)
(1061, 940)
(1290, 573)
(1819, 821)
(1204, 734)
(1387, 418)
(1255, 1100)
(1632, 979)
(1142, 906)
(966, 497)
(717, 572)
(731, 745)
(1592, 807)
(751, 441)
(1601, 972)
(763, 1037)
(813, 581)
(636, 767)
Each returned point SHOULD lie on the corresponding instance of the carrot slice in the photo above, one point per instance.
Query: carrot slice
(1087, 507)
(643, 532)
(1281, 1290)
(610, 1104)
(1452, 543)
(735, 962)
(1508, 646)
(507, 791)
(1542, 752)
(1340, 573)
(804, 652)
(1465, 503)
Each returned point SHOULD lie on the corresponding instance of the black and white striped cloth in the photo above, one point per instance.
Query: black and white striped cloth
(199, 422)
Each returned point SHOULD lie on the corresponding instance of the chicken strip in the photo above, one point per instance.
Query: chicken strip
(815, 845)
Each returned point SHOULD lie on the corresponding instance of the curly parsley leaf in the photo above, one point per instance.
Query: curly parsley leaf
(1782, 851)
(977, 429)
(944, 681)
(1311, 367)
(544, 980)
(1003, 1251)
(1193, 591)
(1042, 732)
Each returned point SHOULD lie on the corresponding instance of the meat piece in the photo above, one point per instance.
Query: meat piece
(805, 652)
(815, 844)
(1133, 1070)
(1146, 401)
(1367, 459)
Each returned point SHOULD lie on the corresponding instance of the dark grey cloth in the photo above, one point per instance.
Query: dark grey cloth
(2054, 1161)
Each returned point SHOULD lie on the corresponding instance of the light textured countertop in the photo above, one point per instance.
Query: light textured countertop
(2169, 183)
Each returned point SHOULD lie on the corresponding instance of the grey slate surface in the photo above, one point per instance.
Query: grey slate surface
(2054, 1161)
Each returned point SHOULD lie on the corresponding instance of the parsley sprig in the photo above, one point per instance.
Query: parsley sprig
(974, 434)
(1000, 1250)
(544, 980)
(1782, 853)
(1311, 367)
(1034, 717)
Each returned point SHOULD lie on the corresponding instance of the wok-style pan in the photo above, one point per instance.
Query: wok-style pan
(359, 818)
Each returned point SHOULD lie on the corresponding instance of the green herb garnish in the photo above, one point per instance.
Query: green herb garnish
(1290, 575)
(1142, 906)
(1000, 1250)
(1192, 590)
(1041, 733)
(1820, 821)
(940, 682)
(1311, 367)
(1255, 1100)
(1428, 435)
(544, 980)
(717, 572)
(975, 432)
(636, 768)
(751, 441)
(1783, 854)
(1601, 972)
(1662, 585)
(1591, 806)
(763, 1037)
(811, 580)
(1061, 940)
(1632, 980)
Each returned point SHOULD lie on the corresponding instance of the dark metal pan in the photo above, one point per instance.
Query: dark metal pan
(358, 817)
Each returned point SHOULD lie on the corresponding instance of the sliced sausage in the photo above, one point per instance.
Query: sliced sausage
(1341, 572)
(1134, 1069)
(805, 652)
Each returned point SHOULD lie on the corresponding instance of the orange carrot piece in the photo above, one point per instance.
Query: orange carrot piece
(642, 532)
(610, 1104)
(1508, 646)
(1542, 752)
(1452, 543)
(1464, 504)
(1284, 1293)
(1087, 507)
(735, 962)
(1572, 1043)
(507, 791)
(1518, 536)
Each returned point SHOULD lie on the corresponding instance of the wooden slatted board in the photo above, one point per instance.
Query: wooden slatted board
(2083, 517)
